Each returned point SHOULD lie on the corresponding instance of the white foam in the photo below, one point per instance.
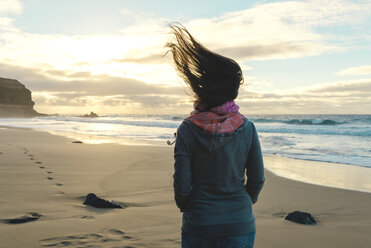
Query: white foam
(346, 139)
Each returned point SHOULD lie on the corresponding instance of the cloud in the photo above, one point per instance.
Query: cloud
(6, 24)
(150, 59)
(281, 29)
(51, 94)
(95, 85)
(112, 95)
(345, 97)
(276, 30)
(350, 87)
(288, 50)
(10, 7)
(361, 70)
(127, 69)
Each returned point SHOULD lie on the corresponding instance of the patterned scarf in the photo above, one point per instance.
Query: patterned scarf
(221, 119)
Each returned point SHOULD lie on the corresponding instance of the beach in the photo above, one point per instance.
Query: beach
(49, 175)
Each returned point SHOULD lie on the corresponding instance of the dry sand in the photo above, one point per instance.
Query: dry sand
(49, 175)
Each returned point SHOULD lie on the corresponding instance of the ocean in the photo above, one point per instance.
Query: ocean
(342, 139)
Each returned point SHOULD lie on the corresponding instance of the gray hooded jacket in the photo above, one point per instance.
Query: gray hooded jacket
(209, 179)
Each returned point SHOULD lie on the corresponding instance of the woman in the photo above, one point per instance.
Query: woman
(215, 147)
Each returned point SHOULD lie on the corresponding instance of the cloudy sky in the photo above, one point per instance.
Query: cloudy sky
(78, 56)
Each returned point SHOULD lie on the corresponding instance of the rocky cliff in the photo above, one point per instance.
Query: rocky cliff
(15, 99)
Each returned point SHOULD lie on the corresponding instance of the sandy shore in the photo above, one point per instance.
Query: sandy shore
(49, 175)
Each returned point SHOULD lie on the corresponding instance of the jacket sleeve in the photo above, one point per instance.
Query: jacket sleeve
(254, 168)
(182, 170)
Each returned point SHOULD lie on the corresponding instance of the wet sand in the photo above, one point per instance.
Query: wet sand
(48, 175)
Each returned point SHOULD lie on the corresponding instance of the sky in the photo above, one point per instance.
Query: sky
(106, 56)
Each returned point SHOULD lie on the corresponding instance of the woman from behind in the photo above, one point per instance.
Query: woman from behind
(215, 148)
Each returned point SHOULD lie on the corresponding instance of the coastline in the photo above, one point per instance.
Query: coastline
(141, 177)
(335, 175)
(328, 174)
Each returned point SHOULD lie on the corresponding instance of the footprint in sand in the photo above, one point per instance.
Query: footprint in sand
(31, 158)
(79, 240)
(23, 219)
(38, 162)
(105, 240)
(49, 172)
(88, 240)
(50, 178)
(116, 231)
(87, 217)
(59, 184)
(126, 246)
(41, 167)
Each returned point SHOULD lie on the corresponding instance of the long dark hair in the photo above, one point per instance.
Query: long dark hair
(213, 78)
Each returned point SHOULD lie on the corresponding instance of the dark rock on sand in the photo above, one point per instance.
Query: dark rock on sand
(95, 201)
(91, 115)
(77, 142)
(23, 219)
(301, 218)
(16, 100)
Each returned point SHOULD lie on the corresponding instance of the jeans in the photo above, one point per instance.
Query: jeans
(244, 241)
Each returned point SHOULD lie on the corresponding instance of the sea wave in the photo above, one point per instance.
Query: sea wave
(301, 121)
(330, 138)
(347, 131)
(160, 123)
(313, 122)
(326, 120)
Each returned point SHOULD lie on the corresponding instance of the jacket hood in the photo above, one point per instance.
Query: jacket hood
(213, 141)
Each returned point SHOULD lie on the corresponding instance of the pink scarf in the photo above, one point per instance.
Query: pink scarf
(221, 119)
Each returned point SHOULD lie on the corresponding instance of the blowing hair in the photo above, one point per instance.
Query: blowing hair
(213, 78)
